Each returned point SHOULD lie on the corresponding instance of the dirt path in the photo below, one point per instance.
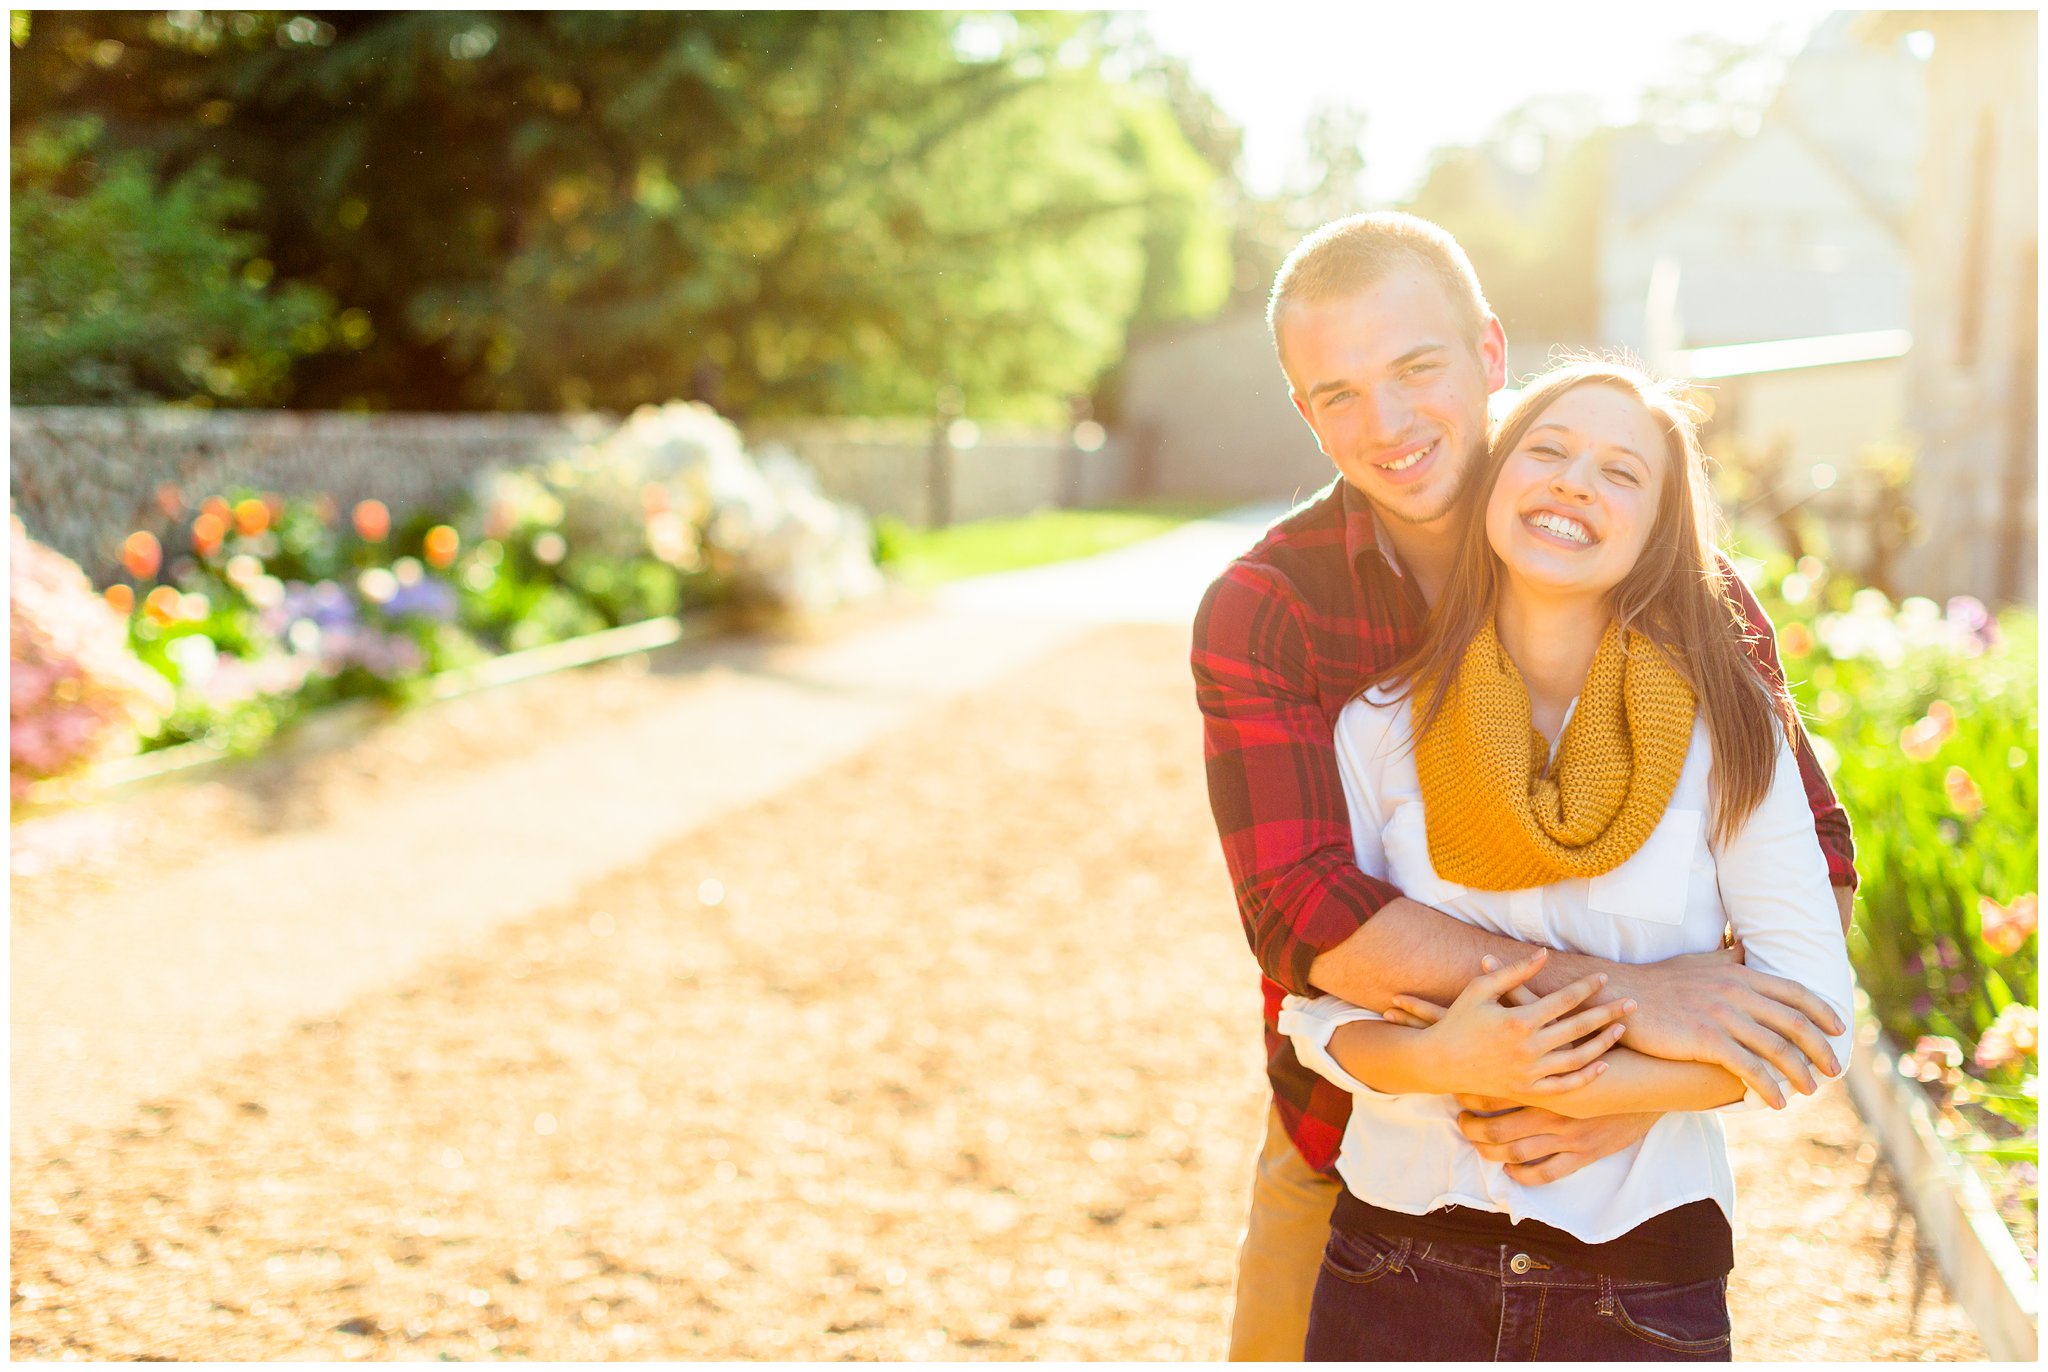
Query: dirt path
(949, 1052)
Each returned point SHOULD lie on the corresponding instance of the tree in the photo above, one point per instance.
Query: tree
(835, 212)
(1525, 205)
(125, 289)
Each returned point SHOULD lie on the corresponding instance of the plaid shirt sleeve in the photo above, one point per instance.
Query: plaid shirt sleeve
(1830, 820)
(1273, 782)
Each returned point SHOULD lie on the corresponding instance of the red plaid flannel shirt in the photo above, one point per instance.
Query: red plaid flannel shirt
(1285, 636)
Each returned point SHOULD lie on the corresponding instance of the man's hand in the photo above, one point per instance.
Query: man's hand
(1539, 1146)
(1536, 1047)
(1708, 1007)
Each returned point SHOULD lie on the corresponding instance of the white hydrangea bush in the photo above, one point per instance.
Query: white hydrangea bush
(760, 520)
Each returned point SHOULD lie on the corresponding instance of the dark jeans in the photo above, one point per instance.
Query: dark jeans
(1403, 1300)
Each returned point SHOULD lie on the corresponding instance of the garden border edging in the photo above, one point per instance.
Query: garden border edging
(347, 717)
(1979, 1260)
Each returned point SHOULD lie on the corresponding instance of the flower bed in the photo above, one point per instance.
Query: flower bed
(1927, 719)
(265, 608)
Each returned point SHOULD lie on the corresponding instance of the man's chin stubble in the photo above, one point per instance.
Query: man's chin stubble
(1448, 507)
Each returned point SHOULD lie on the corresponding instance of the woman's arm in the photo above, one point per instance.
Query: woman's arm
(1479, 1046)
(1635, 1082)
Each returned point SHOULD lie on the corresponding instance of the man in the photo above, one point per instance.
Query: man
(1390, 353)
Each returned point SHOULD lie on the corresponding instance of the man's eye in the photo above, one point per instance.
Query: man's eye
(1419, 369)
(1337, 398)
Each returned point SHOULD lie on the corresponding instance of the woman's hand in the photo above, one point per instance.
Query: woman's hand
(1522, 1052)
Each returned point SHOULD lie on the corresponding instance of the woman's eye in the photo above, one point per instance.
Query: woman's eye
(1545, 450)
(1623, 475)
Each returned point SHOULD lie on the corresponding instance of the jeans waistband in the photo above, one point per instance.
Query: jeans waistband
(1513, 1266)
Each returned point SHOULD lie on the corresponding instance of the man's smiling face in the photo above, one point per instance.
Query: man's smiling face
(1394, 390)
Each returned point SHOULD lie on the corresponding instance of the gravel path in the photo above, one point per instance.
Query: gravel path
(948, 1052)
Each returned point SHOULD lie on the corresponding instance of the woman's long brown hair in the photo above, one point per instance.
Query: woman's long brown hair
(1675, 594)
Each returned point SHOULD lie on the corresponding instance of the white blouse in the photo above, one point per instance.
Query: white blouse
(1673, 896)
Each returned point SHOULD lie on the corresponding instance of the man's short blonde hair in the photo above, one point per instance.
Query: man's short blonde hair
(1347, 255)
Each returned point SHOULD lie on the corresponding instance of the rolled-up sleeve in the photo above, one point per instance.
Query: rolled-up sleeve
(1308, 1024)
(1273, 781)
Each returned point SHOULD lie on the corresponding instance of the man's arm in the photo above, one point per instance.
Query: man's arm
(1315, 921)
(1830, 820)
(1273, 783)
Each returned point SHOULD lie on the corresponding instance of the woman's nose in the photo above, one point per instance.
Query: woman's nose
(1571, 481)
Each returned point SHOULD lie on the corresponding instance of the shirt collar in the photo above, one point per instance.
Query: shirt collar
(1364, 534)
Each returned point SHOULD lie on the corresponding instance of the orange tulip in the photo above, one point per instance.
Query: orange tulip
(121, 596)
(219, 509)
(252, 517)
(372, 520)
(141, 554)
(161, 605)
(170, 500)
(1963, 795)
(442, 545)
(207, 532)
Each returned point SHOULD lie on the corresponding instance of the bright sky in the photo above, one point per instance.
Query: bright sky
(1428, 75)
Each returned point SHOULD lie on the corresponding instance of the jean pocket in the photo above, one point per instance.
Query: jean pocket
(1691, 1318)
(1363, 1258)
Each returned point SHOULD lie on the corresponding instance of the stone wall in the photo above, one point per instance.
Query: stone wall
(82, 479)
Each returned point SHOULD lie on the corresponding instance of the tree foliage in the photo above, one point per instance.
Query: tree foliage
(1526, 207)
(126, 289)
(829, 213)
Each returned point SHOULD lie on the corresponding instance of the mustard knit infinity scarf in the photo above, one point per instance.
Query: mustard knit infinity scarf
(1501, 819)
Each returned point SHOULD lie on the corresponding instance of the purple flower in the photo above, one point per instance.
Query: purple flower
(325, 604)
(1915, 965)
(1946, 952)
(1923, 1005)
(1967, 615)
(428, 598)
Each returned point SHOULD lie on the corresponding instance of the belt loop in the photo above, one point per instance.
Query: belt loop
(1606, 1294)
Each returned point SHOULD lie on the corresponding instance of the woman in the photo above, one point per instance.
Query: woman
(1578, 754)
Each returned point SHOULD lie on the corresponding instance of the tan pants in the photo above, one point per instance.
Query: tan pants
(1282, 1251)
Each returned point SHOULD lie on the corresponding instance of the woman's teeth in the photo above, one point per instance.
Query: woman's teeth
(1562, 527)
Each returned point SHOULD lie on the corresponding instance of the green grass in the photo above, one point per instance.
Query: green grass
(927, 557)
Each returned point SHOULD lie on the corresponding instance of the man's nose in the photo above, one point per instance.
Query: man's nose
(1388, 417)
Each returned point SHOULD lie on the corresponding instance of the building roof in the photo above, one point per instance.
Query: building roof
(1790, 354)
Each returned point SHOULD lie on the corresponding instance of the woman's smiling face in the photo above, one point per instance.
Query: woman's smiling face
(1576, 499)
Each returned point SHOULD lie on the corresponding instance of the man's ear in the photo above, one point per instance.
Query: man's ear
(1301, 408)
(1493, 352)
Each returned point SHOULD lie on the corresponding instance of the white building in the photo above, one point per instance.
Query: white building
(1797, 231)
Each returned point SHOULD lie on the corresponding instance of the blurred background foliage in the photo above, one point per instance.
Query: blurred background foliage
(128, 287)
(783, 213)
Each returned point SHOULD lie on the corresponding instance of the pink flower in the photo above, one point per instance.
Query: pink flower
(1933, 1058)
(1923, 738)
(75, 691)
(2006, 928)
(2015, 1034)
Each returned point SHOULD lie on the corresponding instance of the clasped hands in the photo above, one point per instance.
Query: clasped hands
(1507, 1059)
